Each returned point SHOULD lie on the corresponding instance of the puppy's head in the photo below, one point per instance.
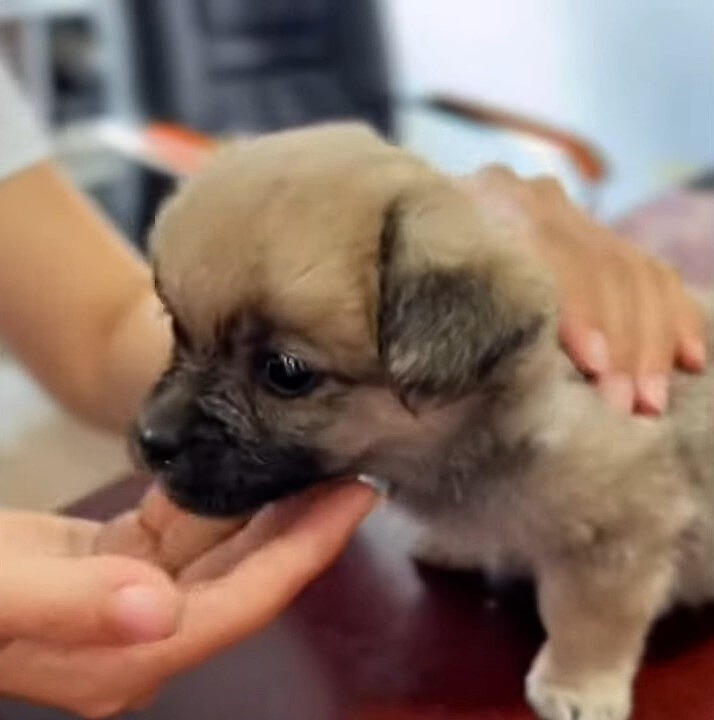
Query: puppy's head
(338, 308)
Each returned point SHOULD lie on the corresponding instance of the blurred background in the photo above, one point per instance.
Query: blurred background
(614, 98)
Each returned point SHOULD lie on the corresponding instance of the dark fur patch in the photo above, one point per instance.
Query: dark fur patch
(228, 462)
(223, 478)
(387, 242)
(508, 344)
(443, 331)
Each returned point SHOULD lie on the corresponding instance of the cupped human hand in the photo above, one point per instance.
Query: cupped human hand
(97, 633)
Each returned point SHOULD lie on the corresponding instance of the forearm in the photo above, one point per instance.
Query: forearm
(137, 351)
(76, 304)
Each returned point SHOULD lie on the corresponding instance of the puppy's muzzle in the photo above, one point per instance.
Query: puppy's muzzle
(208, 468)
(188, 452)
(164, 427)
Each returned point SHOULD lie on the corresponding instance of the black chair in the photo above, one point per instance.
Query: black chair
(259, 65)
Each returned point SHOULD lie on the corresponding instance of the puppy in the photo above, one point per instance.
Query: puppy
(340, 308)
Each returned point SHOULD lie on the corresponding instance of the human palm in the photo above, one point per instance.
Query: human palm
(65, 644)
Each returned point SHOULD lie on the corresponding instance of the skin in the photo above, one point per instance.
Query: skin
(94, 335)
(625, 318)
(79, 665)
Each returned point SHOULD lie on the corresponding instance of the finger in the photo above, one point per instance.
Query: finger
(618, 390)
(264, 526)
(617, 318)
(586, 345)
(127, 535)
(143, 701)
(591, 323)
(219, 613)
(616, 385)
(157, 511)
(189, 537)
(618, 299)
(45, 534)
(181, 537)
(85, 600)
(175, 547)
(690, 345)
(655, 341)
(88, 681)
(140, 532)
(581, 322)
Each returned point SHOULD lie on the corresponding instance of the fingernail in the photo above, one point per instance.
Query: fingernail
(143, 613)
(652, 391)
(597, 355)
(619, 391)
(695, 353)
(379, 486)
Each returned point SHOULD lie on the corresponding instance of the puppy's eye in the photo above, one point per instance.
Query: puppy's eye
(286, 375)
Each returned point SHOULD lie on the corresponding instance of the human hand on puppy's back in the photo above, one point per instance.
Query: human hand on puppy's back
(626, 319)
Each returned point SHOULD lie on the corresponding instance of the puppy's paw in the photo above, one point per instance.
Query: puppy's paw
(597, 697)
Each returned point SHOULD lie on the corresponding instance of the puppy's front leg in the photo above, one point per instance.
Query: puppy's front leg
(597, 619)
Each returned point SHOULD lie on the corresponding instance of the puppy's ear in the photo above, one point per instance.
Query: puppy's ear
(458, 304)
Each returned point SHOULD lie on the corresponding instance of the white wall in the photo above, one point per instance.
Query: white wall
(636, 76)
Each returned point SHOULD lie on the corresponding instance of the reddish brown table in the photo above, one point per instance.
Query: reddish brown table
(377, 638)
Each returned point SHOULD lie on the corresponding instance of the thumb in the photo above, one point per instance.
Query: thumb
(97, 600)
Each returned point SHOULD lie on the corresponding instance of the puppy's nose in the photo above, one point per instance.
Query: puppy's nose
(164, 425)
(159, 443)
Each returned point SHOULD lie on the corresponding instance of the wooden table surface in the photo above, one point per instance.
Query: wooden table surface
(377, 638)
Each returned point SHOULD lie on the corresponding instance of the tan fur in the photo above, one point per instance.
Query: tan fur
(528, 472)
